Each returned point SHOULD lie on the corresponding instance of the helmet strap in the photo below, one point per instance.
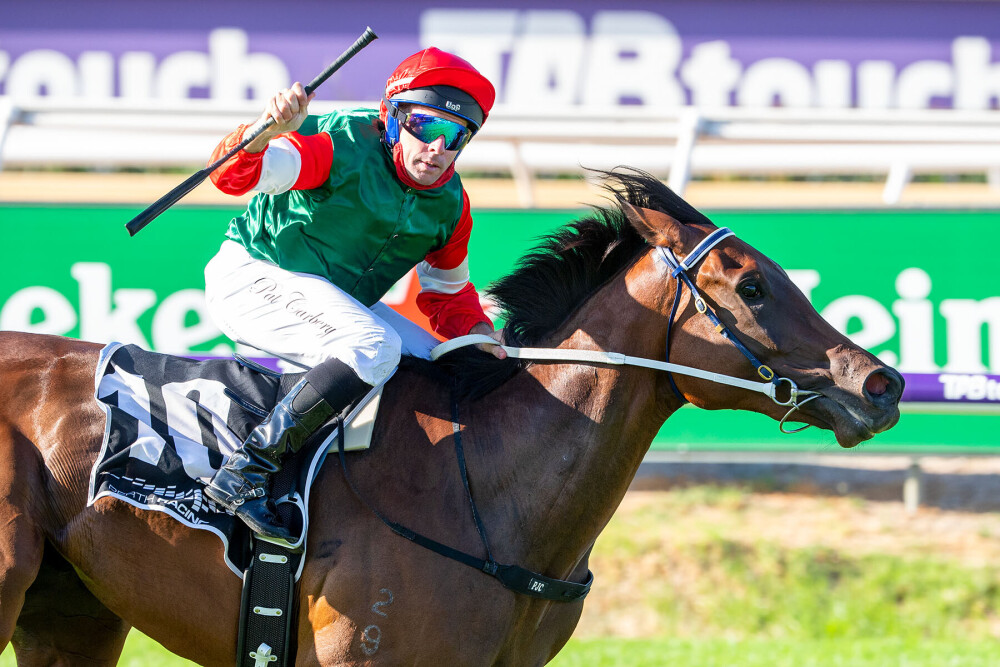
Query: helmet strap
(394, 118)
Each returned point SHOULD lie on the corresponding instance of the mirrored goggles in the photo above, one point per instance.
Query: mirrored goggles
(428, 128)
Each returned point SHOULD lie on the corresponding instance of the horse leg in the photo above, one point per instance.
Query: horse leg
(21, 540)
(62, 623)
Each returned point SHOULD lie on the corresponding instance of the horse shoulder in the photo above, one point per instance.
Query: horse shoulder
(47, 403)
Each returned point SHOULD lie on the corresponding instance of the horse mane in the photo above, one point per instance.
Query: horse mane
(568, 265)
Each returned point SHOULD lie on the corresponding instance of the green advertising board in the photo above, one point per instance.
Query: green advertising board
(916, 287)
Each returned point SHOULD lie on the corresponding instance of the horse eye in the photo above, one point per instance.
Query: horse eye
(751, 290)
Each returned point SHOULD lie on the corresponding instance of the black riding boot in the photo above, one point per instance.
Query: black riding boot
(243, 484)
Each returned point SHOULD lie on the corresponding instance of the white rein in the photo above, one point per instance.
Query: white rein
(679, 269)
(769, 389)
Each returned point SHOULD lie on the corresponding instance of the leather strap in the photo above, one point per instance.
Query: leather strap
(512, 577)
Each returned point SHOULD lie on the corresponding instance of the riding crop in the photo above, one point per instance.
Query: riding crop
(166, 201)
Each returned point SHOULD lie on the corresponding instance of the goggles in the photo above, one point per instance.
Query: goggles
(428, 128)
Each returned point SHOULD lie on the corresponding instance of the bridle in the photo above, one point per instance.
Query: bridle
(679, 271)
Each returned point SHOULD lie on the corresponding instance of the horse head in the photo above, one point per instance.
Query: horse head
(850, 391)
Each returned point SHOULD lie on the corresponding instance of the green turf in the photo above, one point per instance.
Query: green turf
(140, 651)
(714, 596)
(703, 579)
(889, 652)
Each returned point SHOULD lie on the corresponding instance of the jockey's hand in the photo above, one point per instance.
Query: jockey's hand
(486, 330)
(289, 109)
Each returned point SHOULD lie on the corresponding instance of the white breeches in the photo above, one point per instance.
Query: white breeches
(305, 319)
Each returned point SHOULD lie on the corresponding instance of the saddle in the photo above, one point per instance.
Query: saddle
(173, 421)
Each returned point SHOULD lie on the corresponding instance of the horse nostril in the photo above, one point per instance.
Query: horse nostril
(876, 384)
(883, 386)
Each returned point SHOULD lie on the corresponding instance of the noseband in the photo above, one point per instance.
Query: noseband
(678, 269)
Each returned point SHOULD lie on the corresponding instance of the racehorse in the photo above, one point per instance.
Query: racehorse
(551, 449)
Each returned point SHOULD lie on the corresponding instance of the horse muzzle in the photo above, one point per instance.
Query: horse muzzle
(856, 414)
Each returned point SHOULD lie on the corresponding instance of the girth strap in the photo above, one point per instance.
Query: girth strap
(513, 577)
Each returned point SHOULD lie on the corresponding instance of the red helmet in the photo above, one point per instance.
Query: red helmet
(439, 79)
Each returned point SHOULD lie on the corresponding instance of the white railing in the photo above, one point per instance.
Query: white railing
(678, 143)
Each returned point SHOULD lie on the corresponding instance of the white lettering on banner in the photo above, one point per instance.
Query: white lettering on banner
(180, 322)
(58, 315)
(43, 71)
(916, 321)
(544, 69)
(636, 57)
(875, 325)
(633, 57)
(969, 387)
(492, 29)
(775, 82)
(833, 84)
(107, 315)
(966, 319)
(977, 79)
(96, 74)
(920, 83)
(171, 333)
(98, 320)
(553, 57)
(227, 71)
(179, 73)
(875, 84)
(710, 73)
(136, 75)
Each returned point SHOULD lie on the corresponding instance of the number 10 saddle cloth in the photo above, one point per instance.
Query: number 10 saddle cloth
(173, 421)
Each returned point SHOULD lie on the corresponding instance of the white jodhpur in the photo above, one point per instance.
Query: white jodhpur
(304, 318)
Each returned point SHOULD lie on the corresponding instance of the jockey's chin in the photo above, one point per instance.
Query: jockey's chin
(428, 170)
(426, 166)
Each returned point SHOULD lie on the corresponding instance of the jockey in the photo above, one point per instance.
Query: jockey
(347, 204)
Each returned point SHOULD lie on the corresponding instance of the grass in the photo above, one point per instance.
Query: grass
(720, 576)
(139, 651)
(889, 652)
(695, 565)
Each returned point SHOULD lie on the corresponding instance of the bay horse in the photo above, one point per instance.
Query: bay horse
(551, 450)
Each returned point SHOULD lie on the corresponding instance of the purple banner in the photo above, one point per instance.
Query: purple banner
(833, 54)
(951, 388)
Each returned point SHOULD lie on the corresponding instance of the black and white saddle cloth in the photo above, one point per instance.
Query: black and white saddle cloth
(172, 422)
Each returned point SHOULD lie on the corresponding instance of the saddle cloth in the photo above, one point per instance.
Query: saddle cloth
(172, 423)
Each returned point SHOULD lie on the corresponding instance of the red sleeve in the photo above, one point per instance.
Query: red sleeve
(241, 173)
(453, 315)
(316, 151)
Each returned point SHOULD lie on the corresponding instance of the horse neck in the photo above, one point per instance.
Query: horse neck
(565, 440)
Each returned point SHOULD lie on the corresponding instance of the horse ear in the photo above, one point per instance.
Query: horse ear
(656, 227)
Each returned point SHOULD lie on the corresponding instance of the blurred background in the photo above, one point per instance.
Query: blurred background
(856, 143)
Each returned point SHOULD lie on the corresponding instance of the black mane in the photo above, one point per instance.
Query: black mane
(549, 283)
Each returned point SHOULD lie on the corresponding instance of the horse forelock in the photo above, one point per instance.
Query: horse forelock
(568, 265)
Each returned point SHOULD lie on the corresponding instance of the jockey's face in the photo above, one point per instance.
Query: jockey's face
(425, 163)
